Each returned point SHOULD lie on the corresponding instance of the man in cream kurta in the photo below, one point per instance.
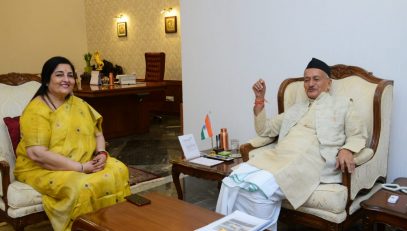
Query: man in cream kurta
(316, 140)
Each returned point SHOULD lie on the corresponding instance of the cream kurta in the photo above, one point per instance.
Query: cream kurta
(310, 136)
(299, 147)
(297, 162)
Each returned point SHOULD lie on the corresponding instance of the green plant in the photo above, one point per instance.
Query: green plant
(88, 57)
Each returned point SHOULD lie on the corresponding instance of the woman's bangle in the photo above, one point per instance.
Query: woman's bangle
(259, 101)
(103, 152)
(81, 166)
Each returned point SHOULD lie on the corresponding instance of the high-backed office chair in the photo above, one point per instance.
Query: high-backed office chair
(155, 70)
(337, 206)
(155, 66)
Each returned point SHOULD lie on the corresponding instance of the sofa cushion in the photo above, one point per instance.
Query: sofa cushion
(326, 197)
(21, 195)
(13, 127)
(326, 215)
(21, 212)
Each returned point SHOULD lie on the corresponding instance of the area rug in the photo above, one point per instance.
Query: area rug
(138, 176)
(150, 185)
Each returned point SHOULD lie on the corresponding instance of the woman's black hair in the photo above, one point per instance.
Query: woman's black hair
(49, 67)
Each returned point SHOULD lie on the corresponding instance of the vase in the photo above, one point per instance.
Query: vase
(85, 78)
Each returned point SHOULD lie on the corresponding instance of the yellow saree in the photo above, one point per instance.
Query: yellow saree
(69, 131)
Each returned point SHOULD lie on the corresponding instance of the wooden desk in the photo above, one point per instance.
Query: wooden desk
(121, 106)
(378, 210)
(217, 172)
(164, 213)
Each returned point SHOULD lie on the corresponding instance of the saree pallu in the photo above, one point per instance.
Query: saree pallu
(69, 131)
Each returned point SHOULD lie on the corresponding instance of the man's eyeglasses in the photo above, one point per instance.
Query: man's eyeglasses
(395, 187)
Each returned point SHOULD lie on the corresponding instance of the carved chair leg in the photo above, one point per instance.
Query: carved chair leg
(380, 227)
(21, 228)
(19, 225)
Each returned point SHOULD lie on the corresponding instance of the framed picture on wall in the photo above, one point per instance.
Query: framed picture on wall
(171, 24)
(122, 29)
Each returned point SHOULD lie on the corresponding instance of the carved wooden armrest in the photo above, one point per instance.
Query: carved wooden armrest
(245, 149)
(5, 179)
(360, 158)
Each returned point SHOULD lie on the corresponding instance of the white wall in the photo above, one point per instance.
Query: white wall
(34, 31)
(227, 45)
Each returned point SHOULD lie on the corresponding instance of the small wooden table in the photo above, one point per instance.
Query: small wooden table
(164, 213)
(378, 210)
(216, 173)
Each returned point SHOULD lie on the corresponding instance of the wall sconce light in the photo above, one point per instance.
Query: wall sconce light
(121, 18)
(166, 11)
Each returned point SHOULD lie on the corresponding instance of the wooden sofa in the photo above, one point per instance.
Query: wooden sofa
(20, 204)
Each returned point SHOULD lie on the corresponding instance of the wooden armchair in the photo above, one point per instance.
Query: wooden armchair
(20, 204)
(336, 206)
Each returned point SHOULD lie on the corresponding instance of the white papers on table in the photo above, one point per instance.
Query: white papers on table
(192, 153)
(127, 79)
(189, 147)
(237, 221)
(205, 161)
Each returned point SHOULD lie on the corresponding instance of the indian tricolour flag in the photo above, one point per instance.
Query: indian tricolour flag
(206, 128)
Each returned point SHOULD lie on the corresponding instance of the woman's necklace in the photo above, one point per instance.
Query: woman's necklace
(50, 101)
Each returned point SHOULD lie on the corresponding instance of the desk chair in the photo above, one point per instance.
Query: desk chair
(155, 70)
(337, 206)
(155, 66)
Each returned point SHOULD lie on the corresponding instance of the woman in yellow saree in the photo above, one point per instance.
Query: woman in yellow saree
(62, 150)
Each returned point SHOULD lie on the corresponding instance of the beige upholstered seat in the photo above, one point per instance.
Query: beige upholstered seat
(20, 204)
(336, 206)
